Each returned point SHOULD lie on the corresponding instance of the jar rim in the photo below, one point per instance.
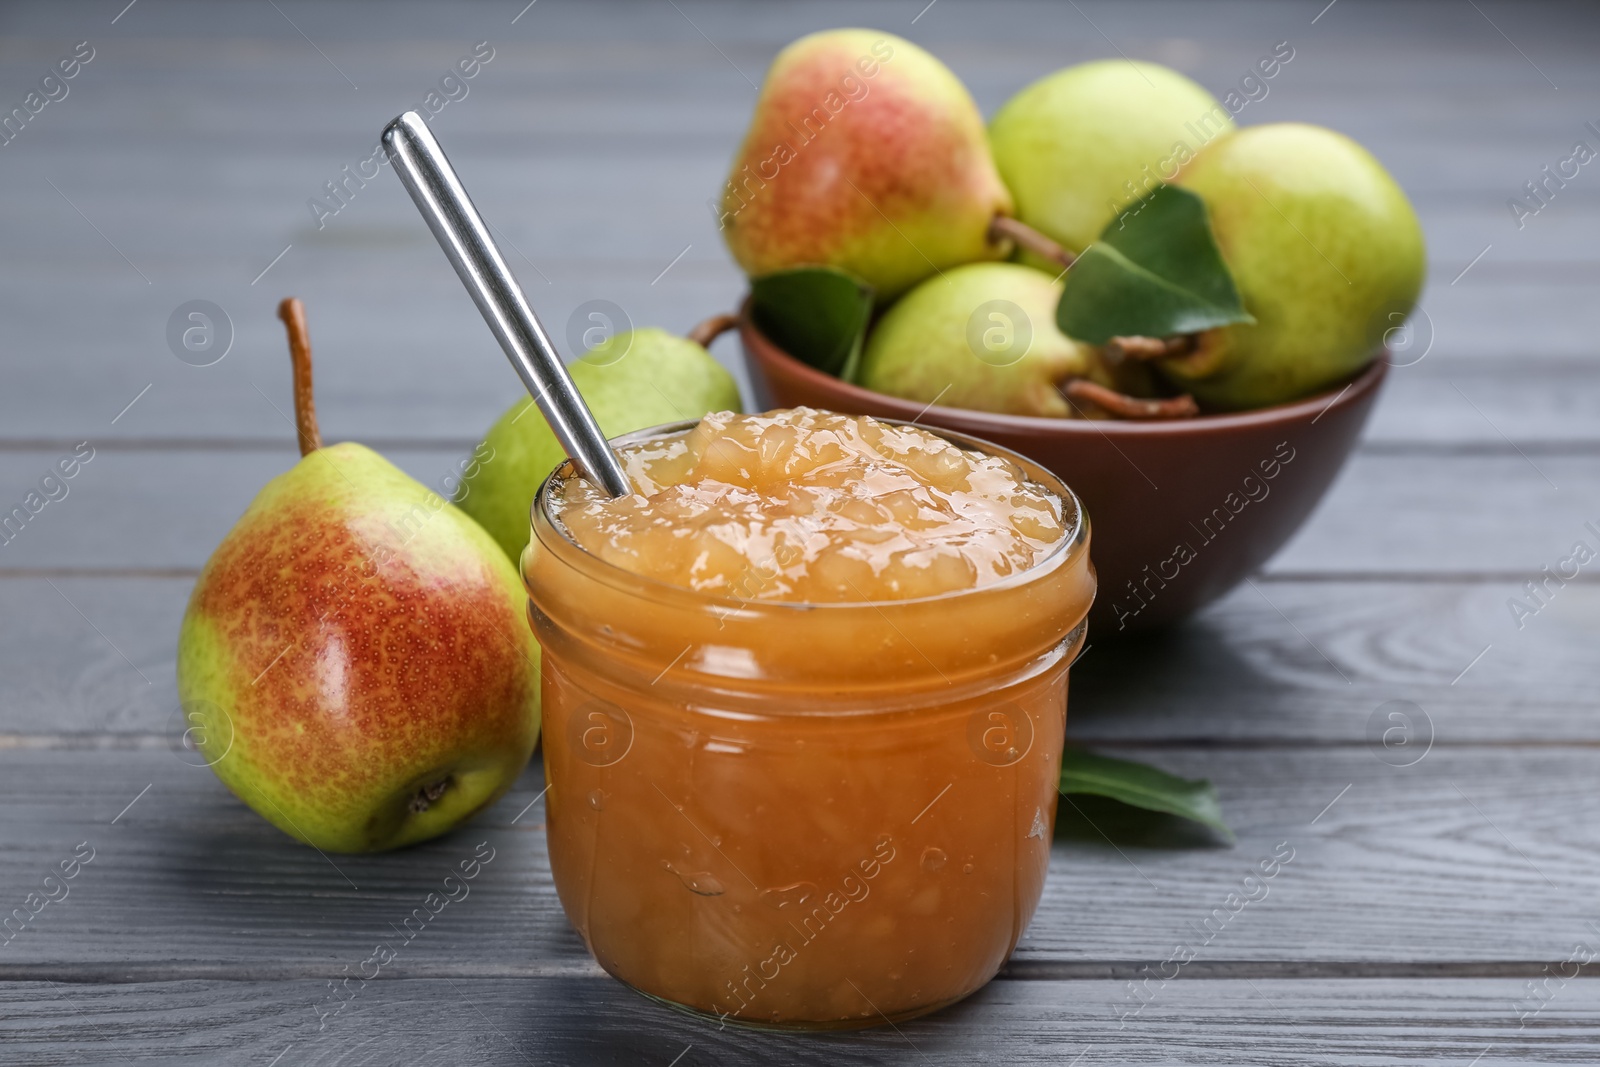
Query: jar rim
(553, 534)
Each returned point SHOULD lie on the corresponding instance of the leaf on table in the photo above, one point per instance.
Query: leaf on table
(1154, 272)
(816, 314)
(1142, 786)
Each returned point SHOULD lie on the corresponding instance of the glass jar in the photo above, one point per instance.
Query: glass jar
(802, 815)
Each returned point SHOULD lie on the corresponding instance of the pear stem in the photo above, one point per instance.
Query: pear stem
(293, 314)
(1130, 407)
(711, 329)
(1148, 348)
(1005, 228)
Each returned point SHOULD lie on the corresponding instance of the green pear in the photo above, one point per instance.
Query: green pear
(1325, 250)
(630, 381)
(982, 336)
(1078, 146)
(866, 154)
(355, 661)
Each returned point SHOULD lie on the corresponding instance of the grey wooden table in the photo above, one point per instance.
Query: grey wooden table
(1440, 899)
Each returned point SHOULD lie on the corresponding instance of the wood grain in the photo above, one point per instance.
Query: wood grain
(566, 127)
(1472, 855)
(1421, 900)
(415, 363)
(1268, 1021)
(1410, 513)
(1264, 675)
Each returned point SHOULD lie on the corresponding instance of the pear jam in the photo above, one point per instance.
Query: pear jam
(804, 693)
(804, 505)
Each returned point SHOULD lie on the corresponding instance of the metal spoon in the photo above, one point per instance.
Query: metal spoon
(462, 233)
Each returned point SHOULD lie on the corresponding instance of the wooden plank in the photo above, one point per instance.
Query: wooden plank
(649, 99)
(200, 933)
(403, 360)
(1382, 865)
(568, 201)
(1404, 514)
(557, 114)
(1422, 514)
(397, 364)
(597, 1020)
(678, 170)
(561, 210)
(1372, 38)
(1290, 661)
(1258, 677)
(151, 526)
(1545, 404)
(1399, 886)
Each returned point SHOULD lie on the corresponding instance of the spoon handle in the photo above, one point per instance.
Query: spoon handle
(462, 233)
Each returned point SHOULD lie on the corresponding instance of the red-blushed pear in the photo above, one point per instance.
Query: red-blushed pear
(356, 662)
(865, 153)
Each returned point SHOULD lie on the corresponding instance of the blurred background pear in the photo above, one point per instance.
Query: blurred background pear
(1078, 146)
(1327, 254)
(632, 380)
(982, 336)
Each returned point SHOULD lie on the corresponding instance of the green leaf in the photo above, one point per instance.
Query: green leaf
(1142, 786)
(1154, 272)
(816, 314)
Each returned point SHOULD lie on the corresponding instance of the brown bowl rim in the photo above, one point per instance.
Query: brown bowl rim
(1351, 390)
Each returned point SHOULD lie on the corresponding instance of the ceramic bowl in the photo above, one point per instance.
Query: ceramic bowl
(1182, 510)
